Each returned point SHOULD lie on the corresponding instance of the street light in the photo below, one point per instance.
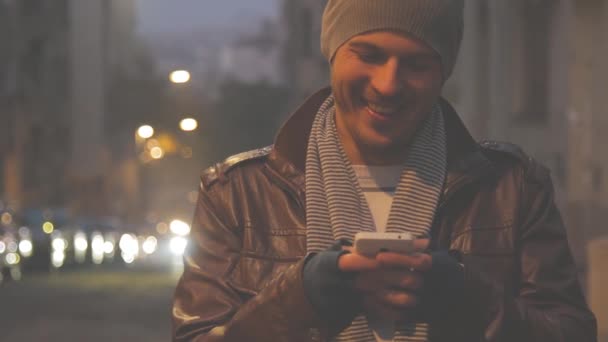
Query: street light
(188, 124)
(157, 152)
(145, 131)
(48, 227)
(7, 218)
(179, 76)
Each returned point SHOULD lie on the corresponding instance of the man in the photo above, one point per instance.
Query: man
(269, 257)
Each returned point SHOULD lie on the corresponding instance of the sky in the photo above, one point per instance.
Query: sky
(182, 15)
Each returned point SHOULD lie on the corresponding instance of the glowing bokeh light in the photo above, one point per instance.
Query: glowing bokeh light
(179, 76)
(25, 248)
(179, 227)
(12, 258)
(149, 245)
(178, 245)
(188, 124)
(156, 152)
(48, 227)
(145, 131)
(7, 218)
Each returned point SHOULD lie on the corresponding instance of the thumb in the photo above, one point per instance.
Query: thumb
(353, 262)
(421, 245)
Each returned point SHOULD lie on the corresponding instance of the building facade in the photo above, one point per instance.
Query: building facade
(587, 181)
(253, 58)
(532, 72)
(56, 61)
(304, 67)
(34, 106)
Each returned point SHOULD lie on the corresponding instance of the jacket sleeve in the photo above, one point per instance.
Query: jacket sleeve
(547, 303)
(207, 308)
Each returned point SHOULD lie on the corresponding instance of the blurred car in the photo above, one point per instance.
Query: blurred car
(10, 259)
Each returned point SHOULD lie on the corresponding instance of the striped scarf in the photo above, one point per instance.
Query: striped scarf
(337, 209)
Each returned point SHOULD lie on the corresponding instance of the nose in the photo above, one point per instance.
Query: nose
(385, 79)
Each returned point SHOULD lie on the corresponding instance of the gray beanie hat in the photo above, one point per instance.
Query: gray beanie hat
(439, 23)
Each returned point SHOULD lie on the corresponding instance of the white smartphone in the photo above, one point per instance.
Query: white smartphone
(372, 243)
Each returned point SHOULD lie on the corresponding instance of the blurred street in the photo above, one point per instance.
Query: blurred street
(108, 304)
(110, 111)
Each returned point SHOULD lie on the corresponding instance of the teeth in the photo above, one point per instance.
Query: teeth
(382, 110)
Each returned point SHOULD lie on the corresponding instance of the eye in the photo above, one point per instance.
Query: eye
(370, 57)
(419, 65)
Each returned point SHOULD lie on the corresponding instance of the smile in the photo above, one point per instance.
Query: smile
(380, 116)
(382, 113)
(383, 110)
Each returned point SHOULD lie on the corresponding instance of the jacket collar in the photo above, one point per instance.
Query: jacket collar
(288, 156)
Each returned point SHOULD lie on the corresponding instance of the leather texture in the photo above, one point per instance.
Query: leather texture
(242, 279)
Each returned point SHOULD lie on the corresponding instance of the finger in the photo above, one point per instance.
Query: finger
(369, 281)
(353, 262)
(421, 245)
(409, 281)
(413, 262)
(372, 281)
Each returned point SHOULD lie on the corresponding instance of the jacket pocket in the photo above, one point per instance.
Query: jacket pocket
(490, 240)
(489, 250)
(266, 253)
(252, 274)
(275, 244)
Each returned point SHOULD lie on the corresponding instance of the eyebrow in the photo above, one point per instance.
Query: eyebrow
(364, 45)
(375, 48)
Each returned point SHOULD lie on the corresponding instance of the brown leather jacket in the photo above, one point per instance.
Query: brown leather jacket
(243, 268)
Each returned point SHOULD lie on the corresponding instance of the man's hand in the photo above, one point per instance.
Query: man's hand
(390, 282)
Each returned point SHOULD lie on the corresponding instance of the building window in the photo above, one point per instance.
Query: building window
(60, 78)
(30, 7)
(62, 13)
(597, 177)
(2, 180)
(3, 83)
(306, 29)
(32, 60)
(33, 156)
(534, 60)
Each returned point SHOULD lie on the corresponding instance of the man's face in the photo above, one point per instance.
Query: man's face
(385, 84)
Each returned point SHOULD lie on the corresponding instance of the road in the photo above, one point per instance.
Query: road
(91, 305)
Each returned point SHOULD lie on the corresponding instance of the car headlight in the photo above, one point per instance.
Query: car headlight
(97, 247)
(59, 244)
(108, 247)
(12, 246)
(12, 258)
(128, 244)
(25, 248)
(58, 258)
(129, 247)
(177, 245)
(128, 258)
(80, 242)
(179, 227)
(80, 247)
(149, 245)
